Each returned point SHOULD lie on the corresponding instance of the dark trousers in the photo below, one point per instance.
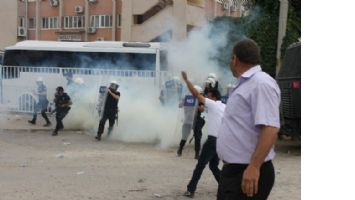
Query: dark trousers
(43, 108)
(230, 184)
(111, 121)
(197, 136)
(59, 116)
(200, 122)
(208, 155)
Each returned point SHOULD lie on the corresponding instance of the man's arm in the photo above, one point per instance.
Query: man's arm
(115, 96)
(267, 139)
(193, 91)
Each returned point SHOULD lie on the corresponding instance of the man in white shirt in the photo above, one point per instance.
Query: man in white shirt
(249, 128)
(208, 154)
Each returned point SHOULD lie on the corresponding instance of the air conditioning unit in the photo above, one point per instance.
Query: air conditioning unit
(54, 3)
(92, 1)
(21, 31)
(91, 30)
(100, 39)
(79, 9)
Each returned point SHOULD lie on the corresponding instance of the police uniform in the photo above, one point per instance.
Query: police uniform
(61, 112)
(110, 111)
(192, 120)
(41, 105)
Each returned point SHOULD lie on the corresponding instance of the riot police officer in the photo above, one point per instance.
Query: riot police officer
(42, 102)
(110, 109)
(192, 120)
(62, 103)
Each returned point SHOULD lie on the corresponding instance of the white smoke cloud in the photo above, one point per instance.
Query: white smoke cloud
(142, 118)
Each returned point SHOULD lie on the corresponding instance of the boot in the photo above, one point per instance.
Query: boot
(182, 144)
(98, 137)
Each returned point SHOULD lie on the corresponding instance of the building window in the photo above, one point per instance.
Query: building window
(50, 23)
(73, 22)
(118, 20)
(31, 23)
(101, 21)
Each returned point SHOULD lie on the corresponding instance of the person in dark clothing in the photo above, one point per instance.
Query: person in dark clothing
(197, 128)
(192, 120)
(62, 103)
(42, 103)
(110, 109)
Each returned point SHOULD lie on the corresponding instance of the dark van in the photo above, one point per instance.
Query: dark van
(289, 80)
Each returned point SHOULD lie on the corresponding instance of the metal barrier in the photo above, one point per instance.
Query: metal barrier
(16, 83)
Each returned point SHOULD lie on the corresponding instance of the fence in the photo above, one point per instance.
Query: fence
(17, 83)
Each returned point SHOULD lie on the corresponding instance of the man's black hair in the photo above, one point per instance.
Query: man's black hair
(247, 51)
(215, 93)
(60, 89)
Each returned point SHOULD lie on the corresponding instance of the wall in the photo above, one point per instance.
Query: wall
(8, 21)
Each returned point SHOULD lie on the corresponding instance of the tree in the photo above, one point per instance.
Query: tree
(260, 25)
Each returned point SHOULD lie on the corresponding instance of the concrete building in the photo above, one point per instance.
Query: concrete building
(8, 21)
(113, 20)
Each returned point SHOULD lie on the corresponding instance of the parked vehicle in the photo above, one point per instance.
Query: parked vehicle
(289, 80)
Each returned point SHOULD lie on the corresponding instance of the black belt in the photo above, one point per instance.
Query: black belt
(231, 164)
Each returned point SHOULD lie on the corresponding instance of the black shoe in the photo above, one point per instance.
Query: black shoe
(31, 122)
(98, 138)
(55, 133)
(189, 194)
(197, 157)
(47, 124)
(179, 152)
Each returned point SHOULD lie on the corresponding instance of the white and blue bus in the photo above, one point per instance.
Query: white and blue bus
(104, 60)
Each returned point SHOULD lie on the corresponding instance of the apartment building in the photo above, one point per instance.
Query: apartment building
(111, 20)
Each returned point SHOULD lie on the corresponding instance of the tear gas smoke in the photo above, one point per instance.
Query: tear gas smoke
(142, 118)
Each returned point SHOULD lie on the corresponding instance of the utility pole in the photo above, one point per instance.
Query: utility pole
(282, 31)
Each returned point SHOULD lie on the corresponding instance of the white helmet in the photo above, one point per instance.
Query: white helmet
(113, 82)
(39, 79)
(198, 88)
(210, 81)
(176, 79)
(79, 80)
(213, 76)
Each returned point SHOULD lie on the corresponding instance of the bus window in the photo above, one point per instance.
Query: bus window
(110, 60)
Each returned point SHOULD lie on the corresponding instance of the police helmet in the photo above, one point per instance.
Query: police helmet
(114, 84)
(79, 80)
(39, 79)
(210, 81)
(213, 76)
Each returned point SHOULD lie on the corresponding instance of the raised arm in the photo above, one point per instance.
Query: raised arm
(115, 96)
(193, 91)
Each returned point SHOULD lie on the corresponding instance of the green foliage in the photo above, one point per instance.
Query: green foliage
(293, 29)
(262, 26)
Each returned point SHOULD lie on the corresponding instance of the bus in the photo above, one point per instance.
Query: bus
(26, 60)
